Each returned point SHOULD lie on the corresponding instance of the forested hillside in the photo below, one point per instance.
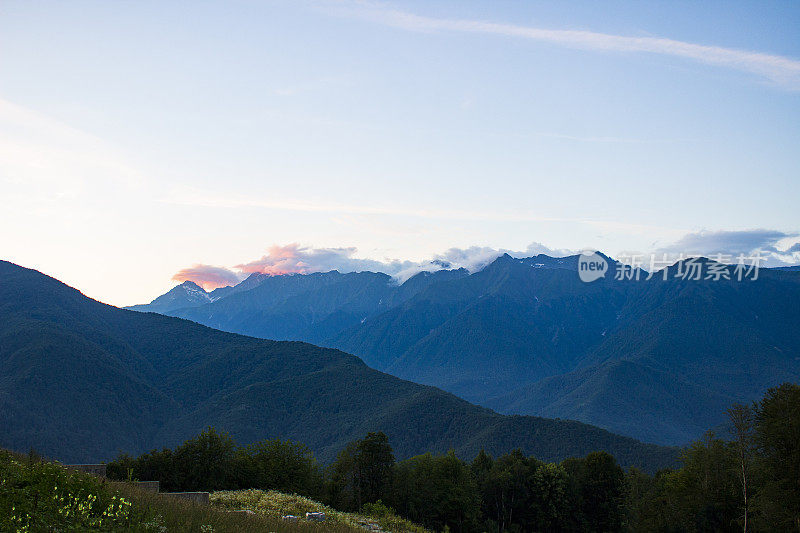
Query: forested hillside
(650, 358)
(82, 381)
(747, 482)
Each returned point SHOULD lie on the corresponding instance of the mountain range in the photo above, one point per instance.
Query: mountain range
(656, 359)
(81, 381)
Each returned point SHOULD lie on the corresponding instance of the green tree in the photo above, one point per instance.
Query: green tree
(596, 492)
(547, 498)
(362, 472)
(520, 492)
(505, 489)
(777, 424)
(705, 492)
(741, 420)
(123, 468)
(206, 462)
(437, 491)
(375, 461)
(343, 483)
(152, 466)
(279, 465)
(481, 468)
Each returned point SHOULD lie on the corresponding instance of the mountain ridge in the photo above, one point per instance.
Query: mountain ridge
(490, 336)
(83, 380)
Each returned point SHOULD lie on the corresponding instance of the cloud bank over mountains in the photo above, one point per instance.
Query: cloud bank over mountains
(207, 276)
(776, 247)
(296, 259)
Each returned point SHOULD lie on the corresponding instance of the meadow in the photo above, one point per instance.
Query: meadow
(39, 496)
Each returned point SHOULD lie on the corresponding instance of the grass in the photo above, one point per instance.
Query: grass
(177, 515)
(274, 505)
(40, 496)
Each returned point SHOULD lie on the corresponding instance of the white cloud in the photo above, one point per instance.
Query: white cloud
(296, 259)
(475, 258)
(208, 276)
(777, 247)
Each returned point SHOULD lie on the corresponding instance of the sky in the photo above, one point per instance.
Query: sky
(144, 143)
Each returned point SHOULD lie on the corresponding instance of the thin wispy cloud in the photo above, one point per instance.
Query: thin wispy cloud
(190, 196)
(778, 70)
(610, 140)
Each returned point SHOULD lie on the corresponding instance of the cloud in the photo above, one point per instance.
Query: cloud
(192, 196)
(780, 70)
(536, 248)
(728, 241)
(475, 258)
(207, 276)
(778, 247)
(296, 259)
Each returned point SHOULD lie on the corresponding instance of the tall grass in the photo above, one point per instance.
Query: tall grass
(39, 496)
(274, 505)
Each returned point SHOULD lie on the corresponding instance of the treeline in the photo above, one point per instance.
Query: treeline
(750, 482)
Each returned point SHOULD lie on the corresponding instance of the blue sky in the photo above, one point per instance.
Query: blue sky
(141, 138)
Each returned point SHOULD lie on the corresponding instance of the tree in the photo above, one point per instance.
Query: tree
(646, 504)
(343, 486)
(741, 419)
(547, 498)
(279, 465)
(362, 472)
(437, 491)
(597, 492)
(704, 494)
(152, 466)
(206, 461)
(777, 425)
(375, 462)
(520, 492)
(506, 488)
(122, 468)
(481, 466)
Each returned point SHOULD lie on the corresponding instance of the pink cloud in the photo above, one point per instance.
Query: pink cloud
(207, 276)
(296, 259)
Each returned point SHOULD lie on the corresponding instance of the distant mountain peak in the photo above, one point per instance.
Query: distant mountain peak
(186, 294)
(166, 379)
